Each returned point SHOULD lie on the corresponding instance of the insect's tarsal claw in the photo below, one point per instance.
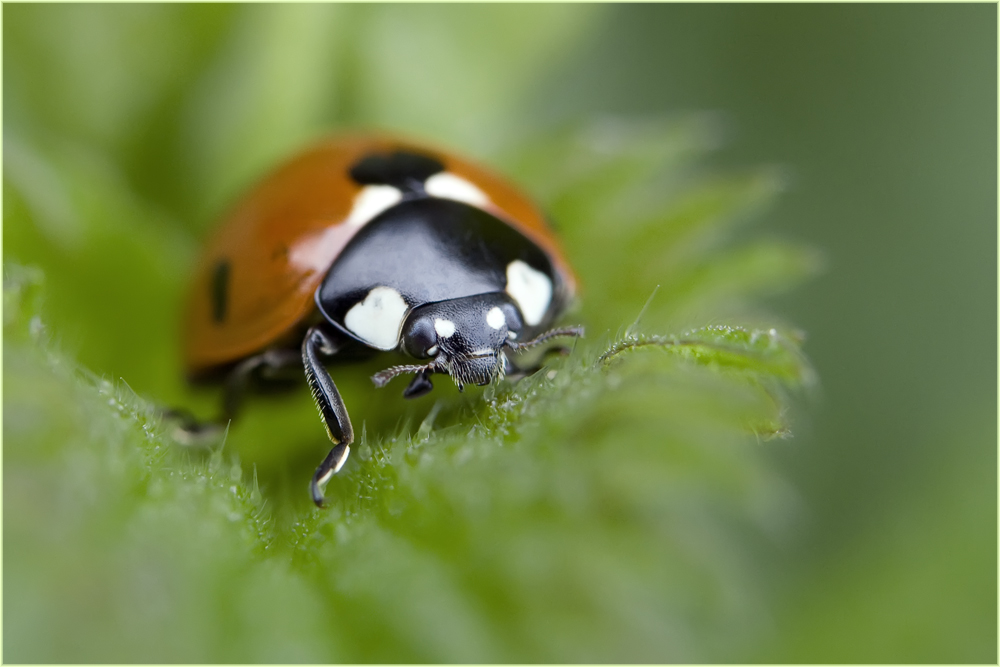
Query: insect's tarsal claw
(330, 466)
(316, 491)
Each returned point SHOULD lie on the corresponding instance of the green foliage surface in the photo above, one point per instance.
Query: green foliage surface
(611, 507)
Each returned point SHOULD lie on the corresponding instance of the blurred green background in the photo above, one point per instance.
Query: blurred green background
(867, 132)
(885, 117)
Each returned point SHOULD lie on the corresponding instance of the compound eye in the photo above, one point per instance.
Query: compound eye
(512, 317)
(419, 337)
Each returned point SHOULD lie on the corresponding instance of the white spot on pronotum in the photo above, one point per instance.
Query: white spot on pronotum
(449, 186)
(531, 289)
(378, 319)
(444, 328)
(495, 318)
(372, 200)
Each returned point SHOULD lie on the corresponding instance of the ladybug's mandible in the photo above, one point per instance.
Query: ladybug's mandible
(379, 243)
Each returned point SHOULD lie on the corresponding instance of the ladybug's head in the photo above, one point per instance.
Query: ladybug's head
(463, 337)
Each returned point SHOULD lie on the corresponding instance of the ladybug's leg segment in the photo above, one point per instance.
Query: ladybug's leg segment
(420, 385)
(331, 408)
(188, 430)
(267, 365)
(514, 372)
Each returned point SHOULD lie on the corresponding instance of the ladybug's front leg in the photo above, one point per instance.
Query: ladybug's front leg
(331, 408)
(515, 372)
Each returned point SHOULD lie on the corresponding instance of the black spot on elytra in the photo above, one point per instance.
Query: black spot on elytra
(220, 290)
(406, 171)
(280, 252)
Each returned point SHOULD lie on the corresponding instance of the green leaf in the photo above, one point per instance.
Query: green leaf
(761, 353)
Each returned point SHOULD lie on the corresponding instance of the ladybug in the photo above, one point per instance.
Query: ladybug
(370, 242)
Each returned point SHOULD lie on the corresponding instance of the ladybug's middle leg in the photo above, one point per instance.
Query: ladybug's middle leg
(331, 408)
(267, 366)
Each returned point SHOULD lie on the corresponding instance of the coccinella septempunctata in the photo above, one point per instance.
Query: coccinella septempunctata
(380, 243)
